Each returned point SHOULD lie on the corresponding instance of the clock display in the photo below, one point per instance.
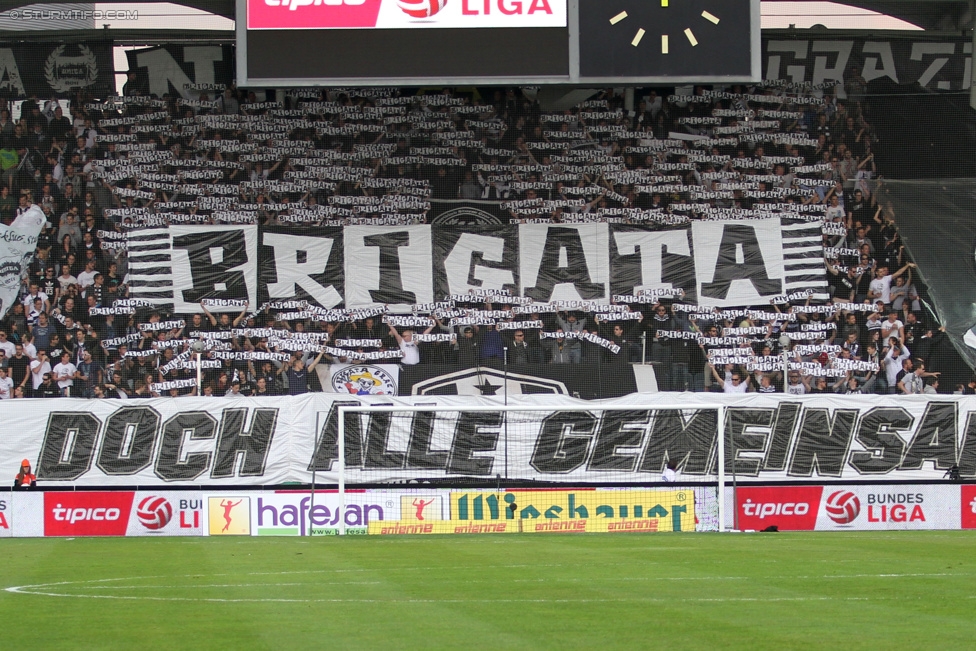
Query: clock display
(666, 38)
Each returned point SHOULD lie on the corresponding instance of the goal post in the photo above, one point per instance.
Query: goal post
(613, 452)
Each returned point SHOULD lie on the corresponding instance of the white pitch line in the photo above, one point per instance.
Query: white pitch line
(228, 585)
(41, 590)
(541, 580)
(485, 601)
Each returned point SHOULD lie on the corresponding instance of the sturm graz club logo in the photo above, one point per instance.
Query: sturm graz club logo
(63, 72)
(465, 216)
(364, 380)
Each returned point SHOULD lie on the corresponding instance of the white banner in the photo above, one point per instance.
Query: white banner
(269, 441)
(17, 244)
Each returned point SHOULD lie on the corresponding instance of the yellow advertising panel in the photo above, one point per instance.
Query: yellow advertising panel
(421, 507)
(385, 528)
(230, 516)
(582, 510)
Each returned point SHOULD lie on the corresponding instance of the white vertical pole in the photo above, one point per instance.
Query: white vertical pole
(721, 469)
(341, 436)
(311, 497)
(199, 375)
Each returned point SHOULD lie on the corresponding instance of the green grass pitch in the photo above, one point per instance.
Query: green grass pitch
(897, 590)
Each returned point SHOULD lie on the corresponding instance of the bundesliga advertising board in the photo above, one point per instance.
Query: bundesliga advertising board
(854, 507)
(445, 511)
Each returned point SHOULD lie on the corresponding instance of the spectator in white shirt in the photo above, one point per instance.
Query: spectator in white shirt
(87, 277)
(65, 373)
(6, 385)
(411, 352)
(880, 288)
(892, 327)
(893, 359)
(8, 347)
(39, 368)
(735, 384)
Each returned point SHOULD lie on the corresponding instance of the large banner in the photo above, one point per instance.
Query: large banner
(182, 70)
(933, 64)
(728, 263)
(48, 70)
(270, 441)
(944, 247)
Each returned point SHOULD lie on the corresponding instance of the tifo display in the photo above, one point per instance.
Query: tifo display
(253, 441)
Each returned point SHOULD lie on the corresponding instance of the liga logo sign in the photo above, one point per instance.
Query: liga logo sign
(404, 14)
(166, 514)
(807, 508)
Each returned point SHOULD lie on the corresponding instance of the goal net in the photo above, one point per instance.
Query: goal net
(533, 468)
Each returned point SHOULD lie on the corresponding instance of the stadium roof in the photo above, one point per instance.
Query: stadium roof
(941, 15)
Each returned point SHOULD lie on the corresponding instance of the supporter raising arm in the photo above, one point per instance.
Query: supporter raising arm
(736, 383)
(893, 362)
(411, 352)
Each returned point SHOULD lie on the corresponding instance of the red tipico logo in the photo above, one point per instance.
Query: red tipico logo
(842, 507)
(790, 508)
(968, 507)
(312, 14)
(154, 513)
(87, 514)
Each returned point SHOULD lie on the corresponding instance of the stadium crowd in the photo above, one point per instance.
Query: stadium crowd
(381, 156)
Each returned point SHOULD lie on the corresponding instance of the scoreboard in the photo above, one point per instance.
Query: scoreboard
(419, 42)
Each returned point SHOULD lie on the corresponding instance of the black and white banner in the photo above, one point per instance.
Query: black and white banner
(714, 263)
(57, 70)
(300, 263)
(181, 266)
(183, 70)
(267, 441)
(933, 64)
(475, 259)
